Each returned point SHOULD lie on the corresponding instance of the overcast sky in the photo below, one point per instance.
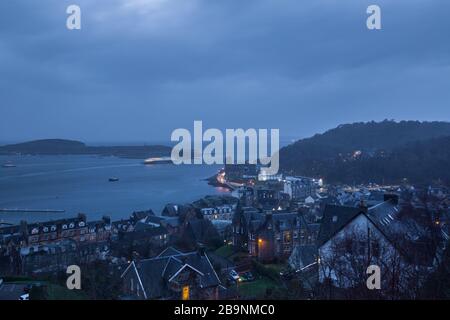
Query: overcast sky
(139, 69)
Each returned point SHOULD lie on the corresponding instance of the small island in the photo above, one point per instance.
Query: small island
(70, 147)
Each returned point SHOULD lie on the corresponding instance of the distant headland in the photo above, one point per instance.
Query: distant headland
(70, 147)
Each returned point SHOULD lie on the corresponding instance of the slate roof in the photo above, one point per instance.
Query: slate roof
(334, 219)
(285, 221)
(156, 273)
(173, 221)
(170, 251)
(154, 219)
(145, 232)
(407, 235)
(139, 215)
(141, 226)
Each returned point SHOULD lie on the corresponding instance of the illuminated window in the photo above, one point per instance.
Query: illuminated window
(287, 236)
(185, 293)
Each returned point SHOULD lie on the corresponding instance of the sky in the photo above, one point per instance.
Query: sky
(139, 69)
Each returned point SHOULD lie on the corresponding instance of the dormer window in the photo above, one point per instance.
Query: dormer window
(71, 225)
(81, 224)
(64, 226)
(53, 228)
(35, 230)
(45, 229)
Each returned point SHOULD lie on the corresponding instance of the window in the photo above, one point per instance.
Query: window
(185, 293)
(287, 237)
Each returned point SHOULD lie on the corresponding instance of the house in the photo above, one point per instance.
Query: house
(200, 232)
(56, 256)
(51, 231)
(216, 207)
(156, 236)
(75, 228)
(352, 238)
(277, 234)
(242, 219)
(172, 275)
(299, 188)
(224, 212)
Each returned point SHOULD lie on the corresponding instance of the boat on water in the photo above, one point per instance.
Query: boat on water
(161, 160)
(113, 179)
(8, 165)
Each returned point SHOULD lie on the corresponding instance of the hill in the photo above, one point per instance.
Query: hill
(380, 152)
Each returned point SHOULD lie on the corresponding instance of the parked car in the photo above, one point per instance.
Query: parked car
(234, 275)
(25, 296)
(246, 277)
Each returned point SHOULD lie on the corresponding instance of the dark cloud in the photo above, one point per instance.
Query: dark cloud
(140, 68)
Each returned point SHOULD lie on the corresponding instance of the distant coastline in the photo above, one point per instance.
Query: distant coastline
(70, 147)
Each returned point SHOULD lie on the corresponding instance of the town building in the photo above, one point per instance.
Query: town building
(172, 275)
(273, 234)
(396, 240)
